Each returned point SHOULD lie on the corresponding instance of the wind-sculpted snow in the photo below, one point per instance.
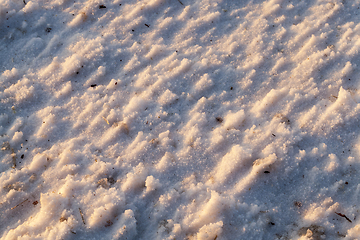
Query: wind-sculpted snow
(179, 119)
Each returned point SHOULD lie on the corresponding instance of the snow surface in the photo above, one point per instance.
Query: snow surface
(179, 119)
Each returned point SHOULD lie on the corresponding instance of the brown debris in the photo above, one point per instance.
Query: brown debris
(108, 223)
(219, 119)
(297, 204)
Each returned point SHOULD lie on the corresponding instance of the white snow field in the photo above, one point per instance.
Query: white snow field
(179, 119)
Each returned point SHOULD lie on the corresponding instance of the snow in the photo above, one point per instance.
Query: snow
(179, 119)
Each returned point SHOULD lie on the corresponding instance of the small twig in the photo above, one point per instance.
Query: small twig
(181, 2)
(106, 121)
(19, 204)
(13, 158)
(344, 216)
(82, 216)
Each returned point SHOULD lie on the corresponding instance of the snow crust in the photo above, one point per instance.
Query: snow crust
(159, 119)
